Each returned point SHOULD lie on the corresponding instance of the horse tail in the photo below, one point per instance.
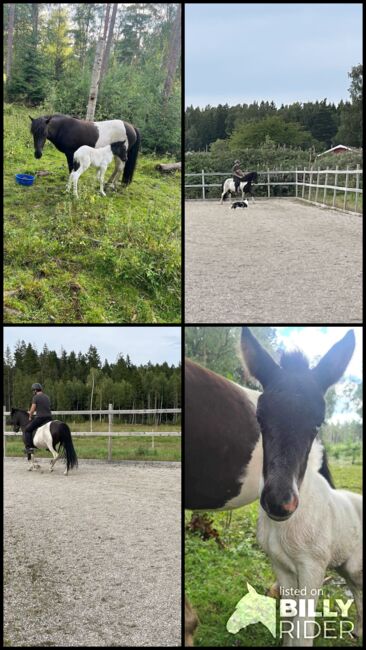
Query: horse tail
(223, 196)
(68, 447)
(131, 159)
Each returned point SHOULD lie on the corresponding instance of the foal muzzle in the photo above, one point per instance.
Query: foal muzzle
(38, 154)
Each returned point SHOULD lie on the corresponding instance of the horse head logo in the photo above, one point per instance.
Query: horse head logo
(253, 608)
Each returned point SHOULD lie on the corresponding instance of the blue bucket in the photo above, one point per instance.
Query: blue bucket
(24, 179)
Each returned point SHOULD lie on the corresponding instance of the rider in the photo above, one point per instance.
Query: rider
(42, 406)
(238, 174)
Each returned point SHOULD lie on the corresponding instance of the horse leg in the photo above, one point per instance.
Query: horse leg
(68, 186)
(102, 172)
(75, 177)
(111, 180)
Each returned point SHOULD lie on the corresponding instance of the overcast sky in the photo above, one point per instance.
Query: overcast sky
(142, 344)
(240, 53)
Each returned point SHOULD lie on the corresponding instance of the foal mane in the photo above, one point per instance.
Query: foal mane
(294, 361)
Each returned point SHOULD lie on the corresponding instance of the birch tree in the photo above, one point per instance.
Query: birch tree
(173, 56)
(97, 67)
(109, 40)
(9, 57)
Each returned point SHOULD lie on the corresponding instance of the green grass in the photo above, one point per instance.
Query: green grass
(93, 260)
(126, 448)
(216, 577)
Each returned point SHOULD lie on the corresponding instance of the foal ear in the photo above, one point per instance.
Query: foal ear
(31, 118)
(260, 363)
(332, 366)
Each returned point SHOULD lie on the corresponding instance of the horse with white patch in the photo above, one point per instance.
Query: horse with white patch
(69, 133)
(245, 186)
(234, 436)
(47, 436)
(324, 531)
(99, 158)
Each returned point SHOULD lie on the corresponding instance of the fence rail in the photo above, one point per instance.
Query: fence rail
(109, 434)
(302, 179)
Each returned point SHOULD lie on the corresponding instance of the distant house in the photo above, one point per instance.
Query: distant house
(339, 148)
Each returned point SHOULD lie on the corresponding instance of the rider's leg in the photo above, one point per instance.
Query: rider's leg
(28, 435)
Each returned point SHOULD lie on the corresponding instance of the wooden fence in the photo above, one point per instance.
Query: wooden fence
(311, 185)
(110, 434)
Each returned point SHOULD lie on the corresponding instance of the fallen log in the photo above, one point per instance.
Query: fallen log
(169, 167)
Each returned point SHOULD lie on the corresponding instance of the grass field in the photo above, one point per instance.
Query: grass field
(216, 578)
(126, 448)
(92, 260)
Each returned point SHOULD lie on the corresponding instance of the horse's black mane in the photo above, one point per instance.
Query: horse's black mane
(294, 361)
(20, 410)
(39, 125)
(250, 176)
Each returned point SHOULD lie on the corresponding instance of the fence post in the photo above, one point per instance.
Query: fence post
(110, 420)
(345, 189)
(203, 185)
(303, 184)
(4, 427)
(357, 185)
(269, 187)
(317, 186)
(310, 183)
(335, 185)
(325, 186)
(296, 182)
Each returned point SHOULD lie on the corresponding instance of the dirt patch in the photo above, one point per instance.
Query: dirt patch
(92, 559)
(276, 261)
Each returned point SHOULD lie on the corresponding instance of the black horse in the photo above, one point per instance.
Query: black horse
(68, 134)
(47, 437)
(245, 186)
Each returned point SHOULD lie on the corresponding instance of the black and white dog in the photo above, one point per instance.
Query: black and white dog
(239, 204)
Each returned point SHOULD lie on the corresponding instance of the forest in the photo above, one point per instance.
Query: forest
(96, 259)
(312, 124)
(74, 381)
(50, 50)
(263, 136)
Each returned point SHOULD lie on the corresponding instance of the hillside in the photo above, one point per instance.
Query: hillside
(96, 259)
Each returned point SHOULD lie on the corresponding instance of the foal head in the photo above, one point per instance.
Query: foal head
(39, 128)
(119, 149)
(289, 412)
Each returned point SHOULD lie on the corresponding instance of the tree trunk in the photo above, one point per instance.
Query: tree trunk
(9, 57)
(109, 40)
(173, 55)
(94, 85)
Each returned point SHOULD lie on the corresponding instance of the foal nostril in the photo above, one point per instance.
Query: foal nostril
(291, 505)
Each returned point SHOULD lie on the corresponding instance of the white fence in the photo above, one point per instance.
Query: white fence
(110, 434)
(306, 183)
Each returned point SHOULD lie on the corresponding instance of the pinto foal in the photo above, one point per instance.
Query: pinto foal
(325, 531)
(100, 158)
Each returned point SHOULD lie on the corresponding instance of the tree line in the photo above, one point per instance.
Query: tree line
(78, 381)
(311, 124)
(104, 60)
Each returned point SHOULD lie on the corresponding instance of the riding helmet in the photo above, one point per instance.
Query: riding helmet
(36, 387)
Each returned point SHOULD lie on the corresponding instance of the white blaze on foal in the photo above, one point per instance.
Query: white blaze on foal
(99, 158)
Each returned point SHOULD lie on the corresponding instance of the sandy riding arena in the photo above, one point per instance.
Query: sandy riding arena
(276, 261)
(92, 559)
